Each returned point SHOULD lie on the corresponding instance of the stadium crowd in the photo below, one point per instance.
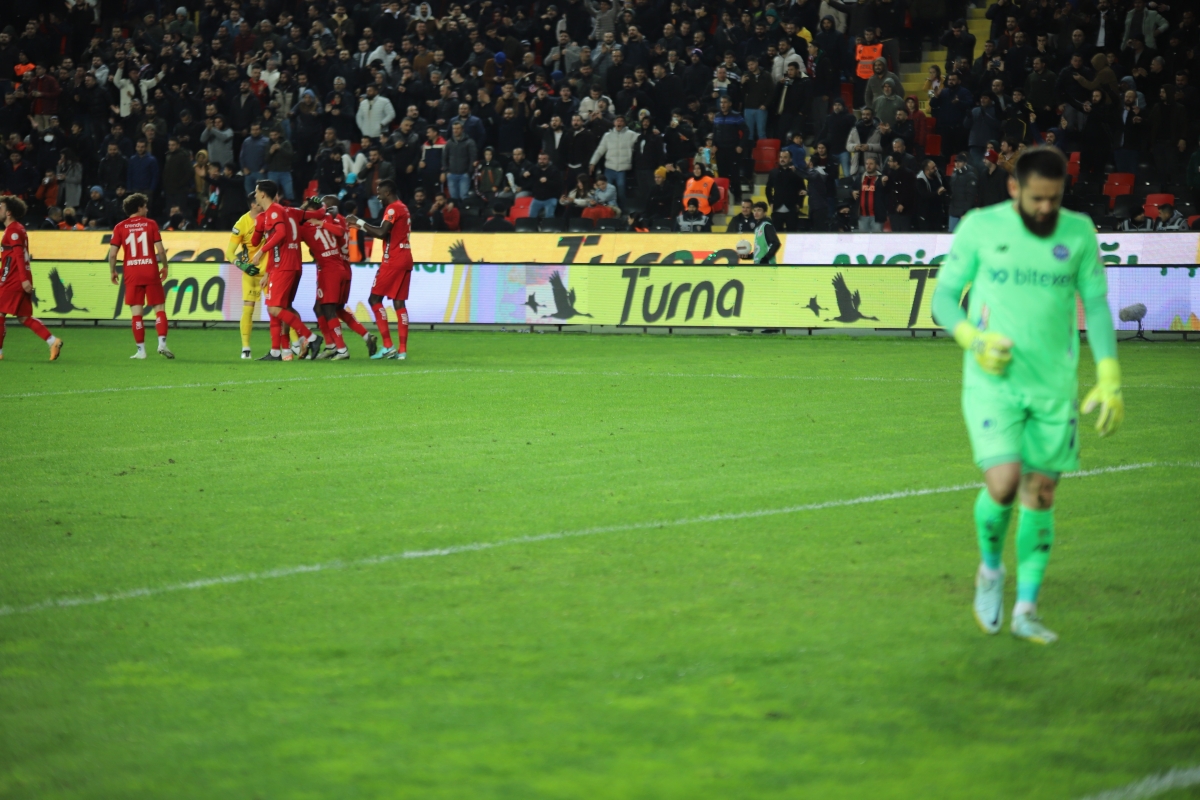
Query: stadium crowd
(651, 114)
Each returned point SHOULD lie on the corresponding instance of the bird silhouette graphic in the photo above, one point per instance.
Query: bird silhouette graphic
(62, 295)
(533, 304)
(564, 301)
(458, 254)
(847, 303)
(814, 307)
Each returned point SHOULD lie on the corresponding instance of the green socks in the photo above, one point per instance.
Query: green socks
(1035, 537)
(991, 526)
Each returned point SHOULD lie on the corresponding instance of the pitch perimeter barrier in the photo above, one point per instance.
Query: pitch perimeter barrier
(632, 295)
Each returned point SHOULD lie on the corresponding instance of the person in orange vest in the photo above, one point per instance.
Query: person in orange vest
(702, 187)
(865, 53)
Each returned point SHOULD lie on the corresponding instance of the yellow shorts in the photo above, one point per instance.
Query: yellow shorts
(251, 288)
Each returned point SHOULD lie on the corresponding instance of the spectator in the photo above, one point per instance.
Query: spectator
(702, 188)
(994, 182)
(496, 222)
(880, 76)
(253, 157)
(864, 139)
(785, 192)
(178, 179)
(951, 107)
(692, 219)
(930, 208)
(111, 172)
(1147, 22)
(278, 163)
(547, 188)
(663, 200)
(900, 195)
(835, 132)
(743, 222)
(872, 206)
(1138, 223)
(616, 148)
(143, 171)
(983, 125)
(460, 155)
(218, 141)
(792, 97)
(69, 175)
(964, 191)
(757, 90)
(888, 103)
(1170, 220)
(374, 114)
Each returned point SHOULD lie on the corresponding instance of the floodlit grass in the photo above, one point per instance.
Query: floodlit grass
(818, 653)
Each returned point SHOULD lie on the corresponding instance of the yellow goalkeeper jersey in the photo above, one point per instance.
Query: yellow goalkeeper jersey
(242, 233)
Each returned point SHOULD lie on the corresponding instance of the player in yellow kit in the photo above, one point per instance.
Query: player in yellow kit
(241, 253)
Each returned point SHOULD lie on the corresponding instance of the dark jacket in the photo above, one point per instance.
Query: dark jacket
(835, 131)
(783, 189)
(552, 188)
(993, 186)
(964, 191)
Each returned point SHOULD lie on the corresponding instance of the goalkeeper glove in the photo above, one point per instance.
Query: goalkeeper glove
(1107, 395)
(245, 266)
(991, 350)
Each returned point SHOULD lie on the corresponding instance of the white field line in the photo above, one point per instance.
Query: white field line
(1152, 786)
(284, 572)
(567, 373)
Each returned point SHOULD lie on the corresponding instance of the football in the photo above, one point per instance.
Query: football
(744, 248)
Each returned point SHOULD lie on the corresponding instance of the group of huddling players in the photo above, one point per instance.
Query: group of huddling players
(266, 246)
(588, 107)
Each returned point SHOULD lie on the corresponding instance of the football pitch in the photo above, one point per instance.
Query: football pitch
(573, 566)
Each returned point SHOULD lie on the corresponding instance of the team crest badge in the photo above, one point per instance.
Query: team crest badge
(1061, 252)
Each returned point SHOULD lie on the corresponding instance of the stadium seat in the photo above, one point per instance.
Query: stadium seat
(1193, 221)
(933, 145)
(1114, 190)
(614, 225)
(1120, 179)
(661, 226)
(1074, 157)
(722, 205)
(525, 225)
(581, 225)
(773, 144)
(552, 224)
(765, 158)
(1073, 170)
(848, 94)
(930, 125)
(950, 166)
(1160, 200)
(519, 209)
(471, 223)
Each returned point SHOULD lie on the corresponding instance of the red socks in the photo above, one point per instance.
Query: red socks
(353, 324)
(2, 331)
(402, 326)
(276, 332)
(323, 325)
(381, 322)
(37, 328)
(160, 323)
(139, 330)
(292, 320)
(335, 334)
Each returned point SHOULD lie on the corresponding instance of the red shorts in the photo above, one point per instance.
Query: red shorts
(332, 283)
(144, 289)
(281, 289)
(392, 282)
(16, 303)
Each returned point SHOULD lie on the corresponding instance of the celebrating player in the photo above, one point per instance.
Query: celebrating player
(241, 252)
(143, 281)
(1025, 261)
(395, 269)
(326, 239)
(16, 280)
(277, 230)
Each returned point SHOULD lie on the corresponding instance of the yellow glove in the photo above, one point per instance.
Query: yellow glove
(1106, 394)
(991, 350)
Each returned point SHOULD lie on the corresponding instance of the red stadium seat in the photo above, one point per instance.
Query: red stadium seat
(1192, 221)
(930, 125)
(933, 145)
(773, 144)
(520, 208)
(765, 158)
(1119, 179)
(1075, 157)
(848, 95)
(1160, 199)
(950, 166)
(722, 205)
(1073, 169)
(1114, 190)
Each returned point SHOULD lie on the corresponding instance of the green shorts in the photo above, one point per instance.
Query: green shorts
(1006, 426)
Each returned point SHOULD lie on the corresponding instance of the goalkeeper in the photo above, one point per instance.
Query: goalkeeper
(1025, 261)
(241, 253)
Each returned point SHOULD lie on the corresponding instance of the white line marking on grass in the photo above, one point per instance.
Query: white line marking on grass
(284, 572)
(566, 373)
(1152, 786)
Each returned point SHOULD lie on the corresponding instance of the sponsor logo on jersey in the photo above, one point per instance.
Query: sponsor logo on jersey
(998, 275)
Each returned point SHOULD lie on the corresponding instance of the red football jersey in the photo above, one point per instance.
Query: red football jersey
(14, 257)
(327, 242)
(280, 226)
(137, 236)
(397, 240)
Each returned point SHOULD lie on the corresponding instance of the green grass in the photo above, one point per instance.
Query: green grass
(823, 653)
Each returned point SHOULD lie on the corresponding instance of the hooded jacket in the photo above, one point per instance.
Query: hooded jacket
(875, 83)
(1105, 79)
(863, 134)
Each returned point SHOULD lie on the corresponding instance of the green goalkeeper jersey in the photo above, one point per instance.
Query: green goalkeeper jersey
(1023, 286)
